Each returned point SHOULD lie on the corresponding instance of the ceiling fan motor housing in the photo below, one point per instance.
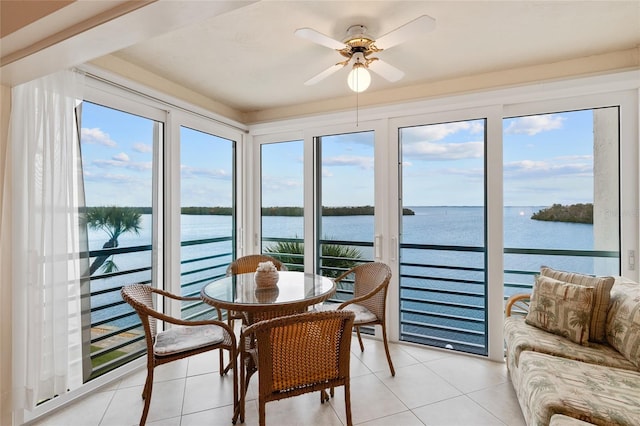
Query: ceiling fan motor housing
(358, 41)
(358, 46)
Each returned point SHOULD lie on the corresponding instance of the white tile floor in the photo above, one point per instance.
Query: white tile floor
(431, 387)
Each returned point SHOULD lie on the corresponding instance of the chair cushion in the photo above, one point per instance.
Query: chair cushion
(184, 338)
(602, 288)
(363, 315)
(561, 308)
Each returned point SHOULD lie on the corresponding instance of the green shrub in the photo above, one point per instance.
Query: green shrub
(336, 258)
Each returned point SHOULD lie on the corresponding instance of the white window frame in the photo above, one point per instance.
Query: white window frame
(620, 88)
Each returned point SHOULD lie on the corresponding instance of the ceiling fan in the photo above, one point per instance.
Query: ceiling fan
(358, 46)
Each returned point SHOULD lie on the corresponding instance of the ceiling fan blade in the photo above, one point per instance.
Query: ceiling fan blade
(319, 38)
(386, 71)
(421, 25)
(324, 74)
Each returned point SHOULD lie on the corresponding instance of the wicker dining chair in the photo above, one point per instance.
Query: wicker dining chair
(246, 264)
(370, 284)
(183, 339)
(297, 354)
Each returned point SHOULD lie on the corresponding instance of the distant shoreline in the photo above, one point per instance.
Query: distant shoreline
(275, 211)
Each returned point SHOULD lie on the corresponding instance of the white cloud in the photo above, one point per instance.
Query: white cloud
(347, 160)
(534, 124)
(527, 169)
(142, 147)
(436, 132)
(275, 184)
(190, 172)
(106, 178)
(122, 164)
(121, 157)
(444, 151)
(96, 136)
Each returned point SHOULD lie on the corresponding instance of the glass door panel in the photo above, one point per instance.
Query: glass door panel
(346, 194)
(561, 194)
(118, 165)
(443, 236)
(207, 212)
(282, 202)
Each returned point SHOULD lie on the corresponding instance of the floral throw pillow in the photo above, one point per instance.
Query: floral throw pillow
(602, 288)
(561, 308)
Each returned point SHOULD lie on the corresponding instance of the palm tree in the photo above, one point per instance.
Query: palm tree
(580, 319)
(544, 314)
(337, 258)
(115, 221)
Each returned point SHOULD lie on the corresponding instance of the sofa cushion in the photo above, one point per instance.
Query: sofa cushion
(521, 337)
(602, 286)
(561, 308)
(551, 385)
(623, 323)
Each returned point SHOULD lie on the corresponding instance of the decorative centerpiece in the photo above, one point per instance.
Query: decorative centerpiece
(266, 275)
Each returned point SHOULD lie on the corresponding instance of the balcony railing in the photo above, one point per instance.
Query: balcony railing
(117, 336)
(441, 303)
(444, 304)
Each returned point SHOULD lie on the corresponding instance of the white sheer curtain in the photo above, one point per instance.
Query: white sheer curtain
(47, 349)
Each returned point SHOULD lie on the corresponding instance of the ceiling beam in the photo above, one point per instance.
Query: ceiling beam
(105, 33)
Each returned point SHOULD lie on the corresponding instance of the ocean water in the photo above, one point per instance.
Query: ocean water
(447, 226)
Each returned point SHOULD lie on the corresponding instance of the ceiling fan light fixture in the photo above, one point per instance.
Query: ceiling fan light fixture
(359, 78)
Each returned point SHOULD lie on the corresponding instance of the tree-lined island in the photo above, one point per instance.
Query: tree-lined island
(573, 213)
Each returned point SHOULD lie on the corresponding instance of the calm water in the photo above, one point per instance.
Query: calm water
(460, 226)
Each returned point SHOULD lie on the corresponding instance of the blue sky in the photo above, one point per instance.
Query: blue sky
(547, 159)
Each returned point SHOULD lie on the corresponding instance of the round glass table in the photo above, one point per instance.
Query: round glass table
(294, 293)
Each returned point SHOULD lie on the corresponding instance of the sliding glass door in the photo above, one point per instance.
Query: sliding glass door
(207, 213)
(120, 152)
(282, 202)
(561, 194)
(443, 284)
(346, 200)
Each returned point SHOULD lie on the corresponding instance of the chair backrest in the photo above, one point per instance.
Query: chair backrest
(299, 351)
(369, 277)
(245, 264)
(140, 297)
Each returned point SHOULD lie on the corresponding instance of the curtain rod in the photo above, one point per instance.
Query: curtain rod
(156, 99)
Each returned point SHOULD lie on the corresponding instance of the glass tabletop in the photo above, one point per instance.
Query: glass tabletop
(239, 292)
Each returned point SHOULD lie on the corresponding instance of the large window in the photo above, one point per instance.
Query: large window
(282, 202)
(345, 225)
(561, 194)
(207, 219)
(118, 166)
(442, 246)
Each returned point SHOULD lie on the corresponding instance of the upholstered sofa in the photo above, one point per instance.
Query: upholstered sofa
(573, 350)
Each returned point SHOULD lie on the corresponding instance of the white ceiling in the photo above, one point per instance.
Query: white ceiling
(250, 60)
(243, 55)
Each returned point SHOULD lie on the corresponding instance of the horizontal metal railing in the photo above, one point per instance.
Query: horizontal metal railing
(116, 332)
(440, 304)
(445, 305)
